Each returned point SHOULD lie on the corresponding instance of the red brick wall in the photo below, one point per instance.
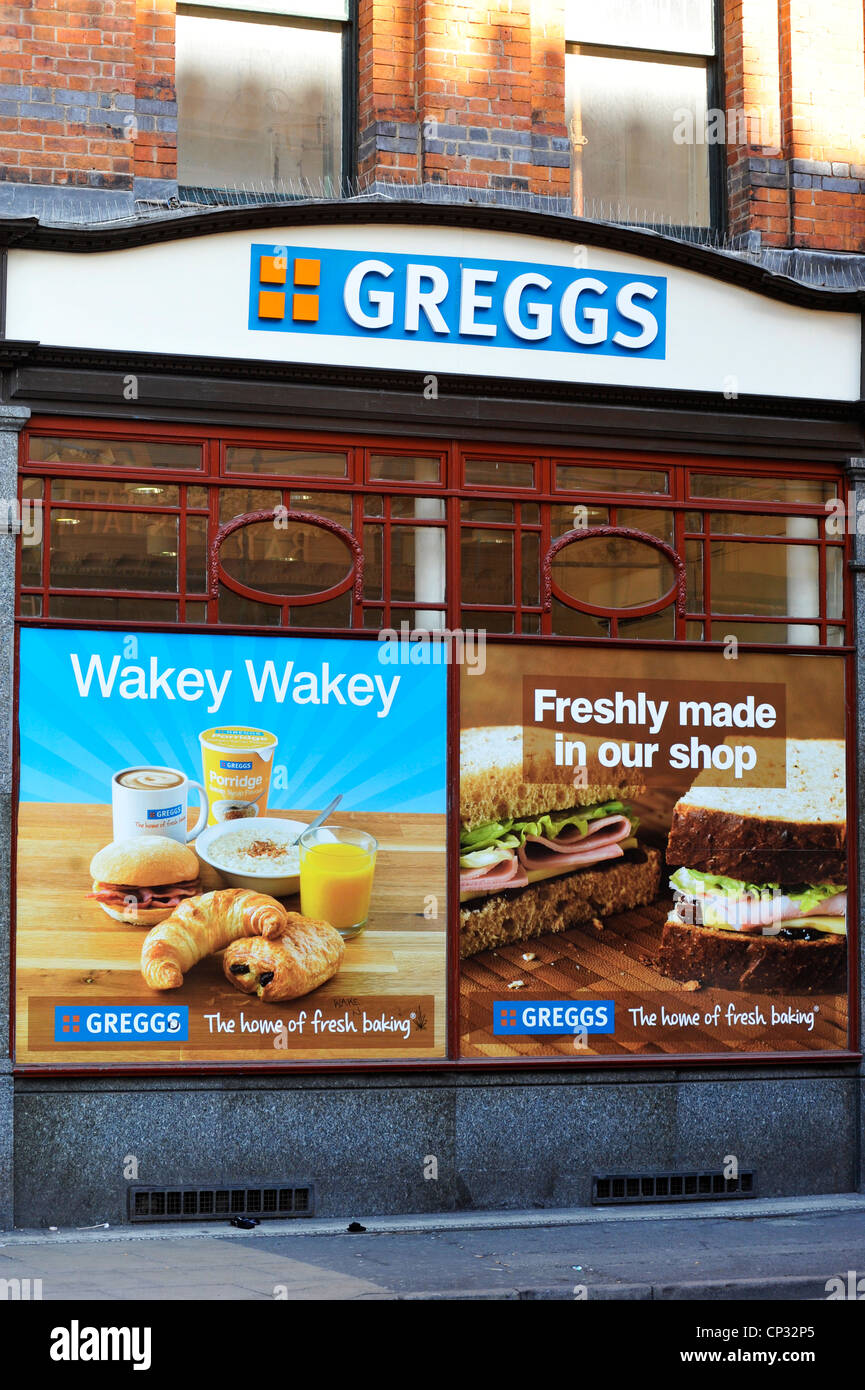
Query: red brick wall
(69, 76)
(155, 150)
(799, 66)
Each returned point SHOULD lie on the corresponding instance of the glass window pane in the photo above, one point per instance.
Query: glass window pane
(417, 564)
(397, 468)
(487, 566)
(105, 609)
(289, 463)
(612, 572)
(196, 612)
(622, 113)
(806, 491)
(32, 487)
(373, 505)
(373, 618)
(694, 632)
(335, 613)
(694, 568)
(31, 564)
(113, 550)
(491, 622)
(693, 521)
(679, 26)
(774, 633)
(658, 626)
(114, 453)
(655, 521)
(296, 559)
(197, 496)
(573, 478)
(531, 623)
(499, 473)
(770, 580)
(530, 513)
(259, 104)
(196, 555)
(235, 609)
(372, 562)
(336, 506)
(237, 501)
(530, 546)
(30, 606)
(750, 524)
(581, 516)
(487, 509)
(834, 582)
(570, 622)
(317, 9)
(115, 490)
(429, 508)
(835, 637)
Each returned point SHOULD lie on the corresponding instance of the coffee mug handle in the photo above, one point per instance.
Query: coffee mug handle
(205, 812)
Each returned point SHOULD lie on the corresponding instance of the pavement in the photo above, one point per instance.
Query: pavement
(757, 1250)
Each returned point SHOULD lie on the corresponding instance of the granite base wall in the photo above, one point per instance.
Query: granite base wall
(499, 1142)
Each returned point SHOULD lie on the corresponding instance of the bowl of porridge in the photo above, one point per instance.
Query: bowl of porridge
(255, 854)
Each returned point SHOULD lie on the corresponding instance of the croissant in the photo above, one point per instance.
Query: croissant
(199, 926)
(308, 953)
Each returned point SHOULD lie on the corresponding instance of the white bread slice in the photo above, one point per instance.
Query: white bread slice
(493, 785)
(814, 795)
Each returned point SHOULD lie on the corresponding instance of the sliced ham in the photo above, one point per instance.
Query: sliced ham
(570, 849)
(161, 895)
(753, 911)
(508, 873)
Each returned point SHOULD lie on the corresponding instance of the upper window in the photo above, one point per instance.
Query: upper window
(260, 95)
(638, 96)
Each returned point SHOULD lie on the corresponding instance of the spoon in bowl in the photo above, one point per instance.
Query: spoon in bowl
(320, 818)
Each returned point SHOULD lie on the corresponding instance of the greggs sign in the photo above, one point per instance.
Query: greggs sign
(449, 299)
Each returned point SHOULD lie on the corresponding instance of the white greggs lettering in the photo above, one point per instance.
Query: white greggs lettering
(148, 682)
(530, 318)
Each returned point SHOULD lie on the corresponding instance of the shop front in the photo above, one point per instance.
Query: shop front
(539, 559)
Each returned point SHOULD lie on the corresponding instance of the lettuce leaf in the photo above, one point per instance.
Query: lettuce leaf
(696, 885)
(511, 834)
(816, 894)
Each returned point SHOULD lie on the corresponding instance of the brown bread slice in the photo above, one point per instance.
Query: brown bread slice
(555, 904)
(787, 835)
(734, 960)
(492, 785)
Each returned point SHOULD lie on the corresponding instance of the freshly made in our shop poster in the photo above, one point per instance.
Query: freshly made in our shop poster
(653, 853)
(165, 912)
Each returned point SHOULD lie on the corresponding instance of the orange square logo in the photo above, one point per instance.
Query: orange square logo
(271, 304)
(304, 308)
(307, 272)
(272, 270)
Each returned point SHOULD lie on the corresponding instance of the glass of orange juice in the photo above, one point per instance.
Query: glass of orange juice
(336, 870)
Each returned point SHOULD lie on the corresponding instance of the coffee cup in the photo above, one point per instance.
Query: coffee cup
(154, 801)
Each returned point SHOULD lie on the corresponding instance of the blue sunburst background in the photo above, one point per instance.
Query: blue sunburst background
(70, 745)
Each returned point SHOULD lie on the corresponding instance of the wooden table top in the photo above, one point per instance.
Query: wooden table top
(69, 951)
(618, 961)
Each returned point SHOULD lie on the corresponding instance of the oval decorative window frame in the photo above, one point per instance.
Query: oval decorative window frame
(217, 574)
(677, 593)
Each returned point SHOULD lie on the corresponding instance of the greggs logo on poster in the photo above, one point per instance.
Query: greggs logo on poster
(446, 299)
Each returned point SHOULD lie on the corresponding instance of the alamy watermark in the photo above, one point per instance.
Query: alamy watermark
(444, 646)
(22, 519)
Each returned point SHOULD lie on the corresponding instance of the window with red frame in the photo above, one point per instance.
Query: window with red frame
(451, 535)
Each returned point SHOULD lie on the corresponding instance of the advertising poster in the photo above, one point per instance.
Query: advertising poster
(164, 912)
(653, 853)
